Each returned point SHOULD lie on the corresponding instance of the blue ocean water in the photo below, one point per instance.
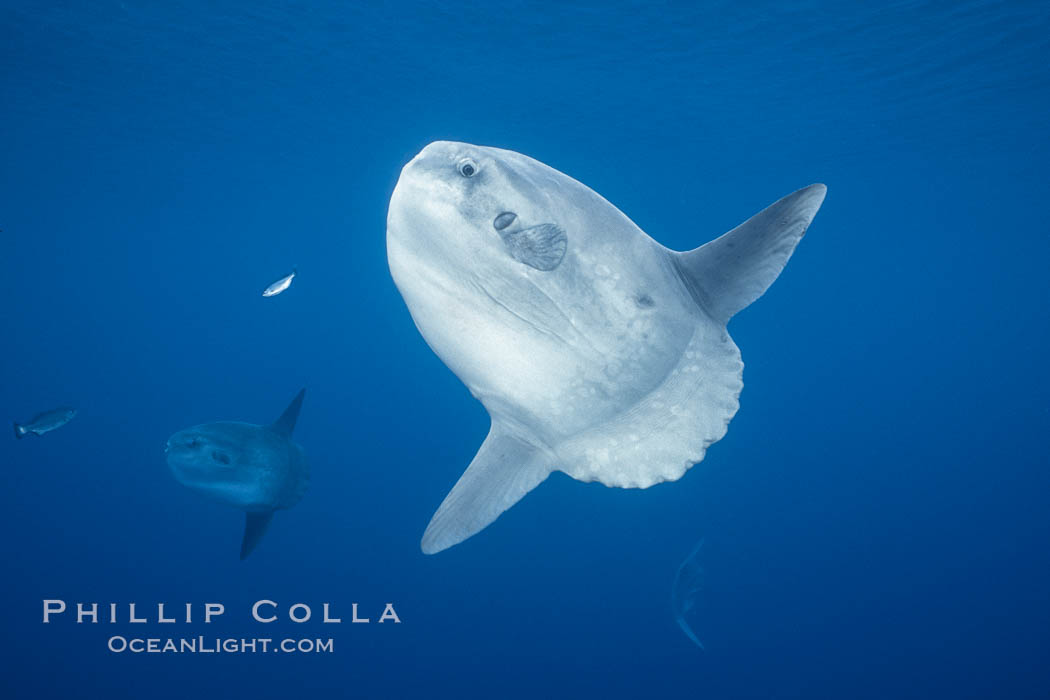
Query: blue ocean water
(875, 521)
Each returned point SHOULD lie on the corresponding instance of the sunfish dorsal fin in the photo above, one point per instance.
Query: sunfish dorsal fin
(286, 423)
(729, 273)
(255, 525)
(505, 468)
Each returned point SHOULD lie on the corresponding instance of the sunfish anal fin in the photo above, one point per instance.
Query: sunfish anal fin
(670, 428)
(505, 468)
(286, 423)
(255, 525)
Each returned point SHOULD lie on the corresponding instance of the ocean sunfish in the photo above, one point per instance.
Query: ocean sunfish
(45, 422)
(280, 285)
(256, 468)
(595, 350)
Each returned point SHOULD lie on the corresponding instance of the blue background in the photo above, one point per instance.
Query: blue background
(876, 520)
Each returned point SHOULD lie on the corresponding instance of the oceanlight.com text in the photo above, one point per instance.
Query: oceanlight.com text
(217, 645)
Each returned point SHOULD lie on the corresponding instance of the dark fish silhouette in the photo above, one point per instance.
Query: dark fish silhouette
(45, 422)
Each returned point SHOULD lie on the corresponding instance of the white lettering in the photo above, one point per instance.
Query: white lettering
(213, 610)
(326, 616)
(255, 610)
(389, 614)
(291, 613)
(82, 613)
(50, 607)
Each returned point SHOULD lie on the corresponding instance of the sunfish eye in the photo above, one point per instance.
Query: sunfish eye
(467, 167)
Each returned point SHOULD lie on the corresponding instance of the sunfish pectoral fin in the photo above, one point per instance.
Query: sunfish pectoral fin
(729, 273)
(505, 468)
(255, 525)
(286, 423)
(541, 247)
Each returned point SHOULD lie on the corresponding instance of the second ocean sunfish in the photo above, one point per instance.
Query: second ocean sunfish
(256, 468)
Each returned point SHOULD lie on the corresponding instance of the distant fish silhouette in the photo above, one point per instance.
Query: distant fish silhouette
(256, 468)
(688, 583)
(45, 422)
(280, 285)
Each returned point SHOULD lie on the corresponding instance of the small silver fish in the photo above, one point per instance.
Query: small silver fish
(280, 285)
(45, 422)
